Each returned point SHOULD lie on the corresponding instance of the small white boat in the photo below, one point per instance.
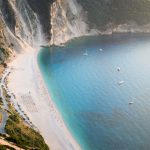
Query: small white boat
(131, 102)
(100, 49)
(118, 69)
(120, 82)
(85, 54)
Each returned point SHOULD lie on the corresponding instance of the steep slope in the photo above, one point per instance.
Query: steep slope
(73, 18)
(42, 9)
(20, 29)
(68, 20)
(22, 22)
(30, 21)
(111, 13)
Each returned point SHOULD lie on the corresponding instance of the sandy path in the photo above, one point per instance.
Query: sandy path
(26, 83)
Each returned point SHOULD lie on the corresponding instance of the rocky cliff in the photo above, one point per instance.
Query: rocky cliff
(68, 20)
(38, 22)
(73, 18)
(23, 23)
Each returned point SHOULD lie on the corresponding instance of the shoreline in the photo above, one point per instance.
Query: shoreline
(28, 86)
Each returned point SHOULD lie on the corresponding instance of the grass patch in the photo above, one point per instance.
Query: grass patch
(1, 70)
(4, 147)
(1, 117)
(22, 135)
(1, 102)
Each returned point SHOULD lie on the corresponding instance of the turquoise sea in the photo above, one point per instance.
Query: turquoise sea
(82, 79)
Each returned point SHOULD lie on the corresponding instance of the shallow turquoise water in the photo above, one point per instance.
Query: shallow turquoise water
(84, 88)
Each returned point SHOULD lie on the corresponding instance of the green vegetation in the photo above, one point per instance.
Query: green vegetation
(102, 13)
(3, 147)
(1, 101)
(2, 50)
(3, 56)
(22, 135)
(1, 117)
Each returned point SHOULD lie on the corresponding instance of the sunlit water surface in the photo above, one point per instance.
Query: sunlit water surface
(82, 79)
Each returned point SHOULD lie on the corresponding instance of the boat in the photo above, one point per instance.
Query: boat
(120, 82)
(100, 49)
(131, 102)
(85, 54)
(118, 69)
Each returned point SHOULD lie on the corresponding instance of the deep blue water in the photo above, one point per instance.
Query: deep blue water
(84, 88)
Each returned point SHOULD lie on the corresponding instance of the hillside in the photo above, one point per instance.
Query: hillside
(28, 24)
(36, 21)
(101, 14)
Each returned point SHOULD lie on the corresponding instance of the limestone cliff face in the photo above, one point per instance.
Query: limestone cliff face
(22, 24)
(38, 22)
(68, 20)
(74, 18)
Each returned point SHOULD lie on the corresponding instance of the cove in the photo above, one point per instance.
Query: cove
(82, 79)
